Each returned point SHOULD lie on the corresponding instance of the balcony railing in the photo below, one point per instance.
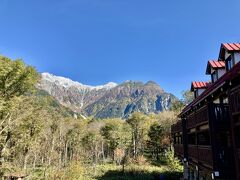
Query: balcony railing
(199, 117)
(205, 154)
(191, 122)
(235, 101)
(202, 154)
(178, 149)
(193, 151)
(221, 114)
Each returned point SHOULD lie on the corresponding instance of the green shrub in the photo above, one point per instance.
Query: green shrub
(173, 162)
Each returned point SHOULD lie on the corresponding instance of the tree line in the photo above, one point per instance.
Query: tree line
(34, 135)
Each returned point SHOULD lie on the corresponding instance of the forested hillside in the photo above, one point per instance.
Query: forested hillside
(42, 139)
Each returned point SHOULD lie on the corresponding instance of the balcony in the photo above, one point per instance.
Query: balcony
(178, 150)
(205, 155)
(201, 154)
(235, 101)
(191, 123)
(202, 115)
(199, 117)
(193, 152)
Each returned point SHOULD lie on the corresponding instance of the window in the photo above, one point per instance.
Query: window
(229, 63)
(221, 112)
(225, 100)
(177, 139)
(180, 139)
(236, 57)
(195, 93)
(214, 76)
(216, 101)
(203, 138)
(192, 139)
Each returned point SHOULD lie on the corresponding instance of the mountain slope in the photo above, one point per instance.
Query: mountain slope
(72, 94)
(110, 100)
(50, 104)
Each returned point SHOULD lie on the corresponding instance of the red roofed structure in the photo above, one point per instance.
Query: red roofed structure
(217, 64)
(199, 85)
(231, 46)
(207, 138)
(216, 69)
(227, 48)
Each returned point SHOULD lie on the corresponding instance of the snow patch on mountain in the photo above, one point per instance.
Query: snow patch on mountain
(67, 83)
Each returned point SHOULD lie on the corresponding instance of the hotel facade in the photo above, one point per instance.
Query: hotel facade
(207, 135)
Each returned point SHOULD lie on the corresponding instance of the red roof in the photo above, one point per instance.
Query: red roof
(215, 65)
(231, 46)
(199, 85)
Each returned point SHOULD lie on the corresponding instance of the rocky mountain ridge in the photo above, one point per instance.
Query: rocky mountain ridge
(107, 101)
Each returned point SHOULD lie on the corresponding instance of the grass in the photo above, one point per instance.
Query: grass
(138, 172)
(108, 172)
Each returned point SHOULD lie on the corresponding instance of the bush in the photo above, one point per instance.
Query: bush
(74, 171)
(141, 160)
(172, 161)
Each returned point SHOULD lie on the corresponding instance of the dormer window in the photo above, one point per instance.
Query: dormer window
(230, 53)
(216, 69)
(199, 87)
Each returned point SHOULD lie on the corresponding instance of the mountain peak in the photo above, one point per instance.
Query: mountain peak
(109, 85)
(67, 83)
(151, 83)
(131, 82)
(61, 81)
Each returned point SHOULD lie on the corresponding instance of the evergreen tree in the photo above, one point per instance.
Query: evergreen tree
(155, 145)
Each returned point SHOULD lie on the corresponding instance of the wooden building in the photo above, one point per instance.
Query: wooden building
(207, 136)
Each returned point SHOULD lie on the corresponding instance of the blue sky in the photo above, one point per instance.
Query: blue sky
(97, 41)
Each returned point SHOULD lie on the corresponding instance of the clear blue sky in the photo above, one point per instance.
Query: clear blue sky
(97, 41)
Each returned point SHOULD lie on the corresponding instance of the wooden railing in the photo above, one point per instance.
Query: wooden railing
(235, 100)
(178, 149)
(202, 154)
(205, 154)
(193, 151)
(191, 121)
(201, 116)
(221, 113)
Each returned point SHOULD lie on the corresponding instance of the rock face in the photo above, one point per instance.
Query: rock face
(107, 101)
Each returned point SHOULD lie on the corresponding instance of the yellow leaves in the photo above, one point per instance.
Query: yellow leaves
(16, 78)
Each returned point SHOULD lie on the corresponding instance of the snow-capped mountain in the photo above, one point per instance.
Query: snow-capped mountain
(109, 100)
(67, 83)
